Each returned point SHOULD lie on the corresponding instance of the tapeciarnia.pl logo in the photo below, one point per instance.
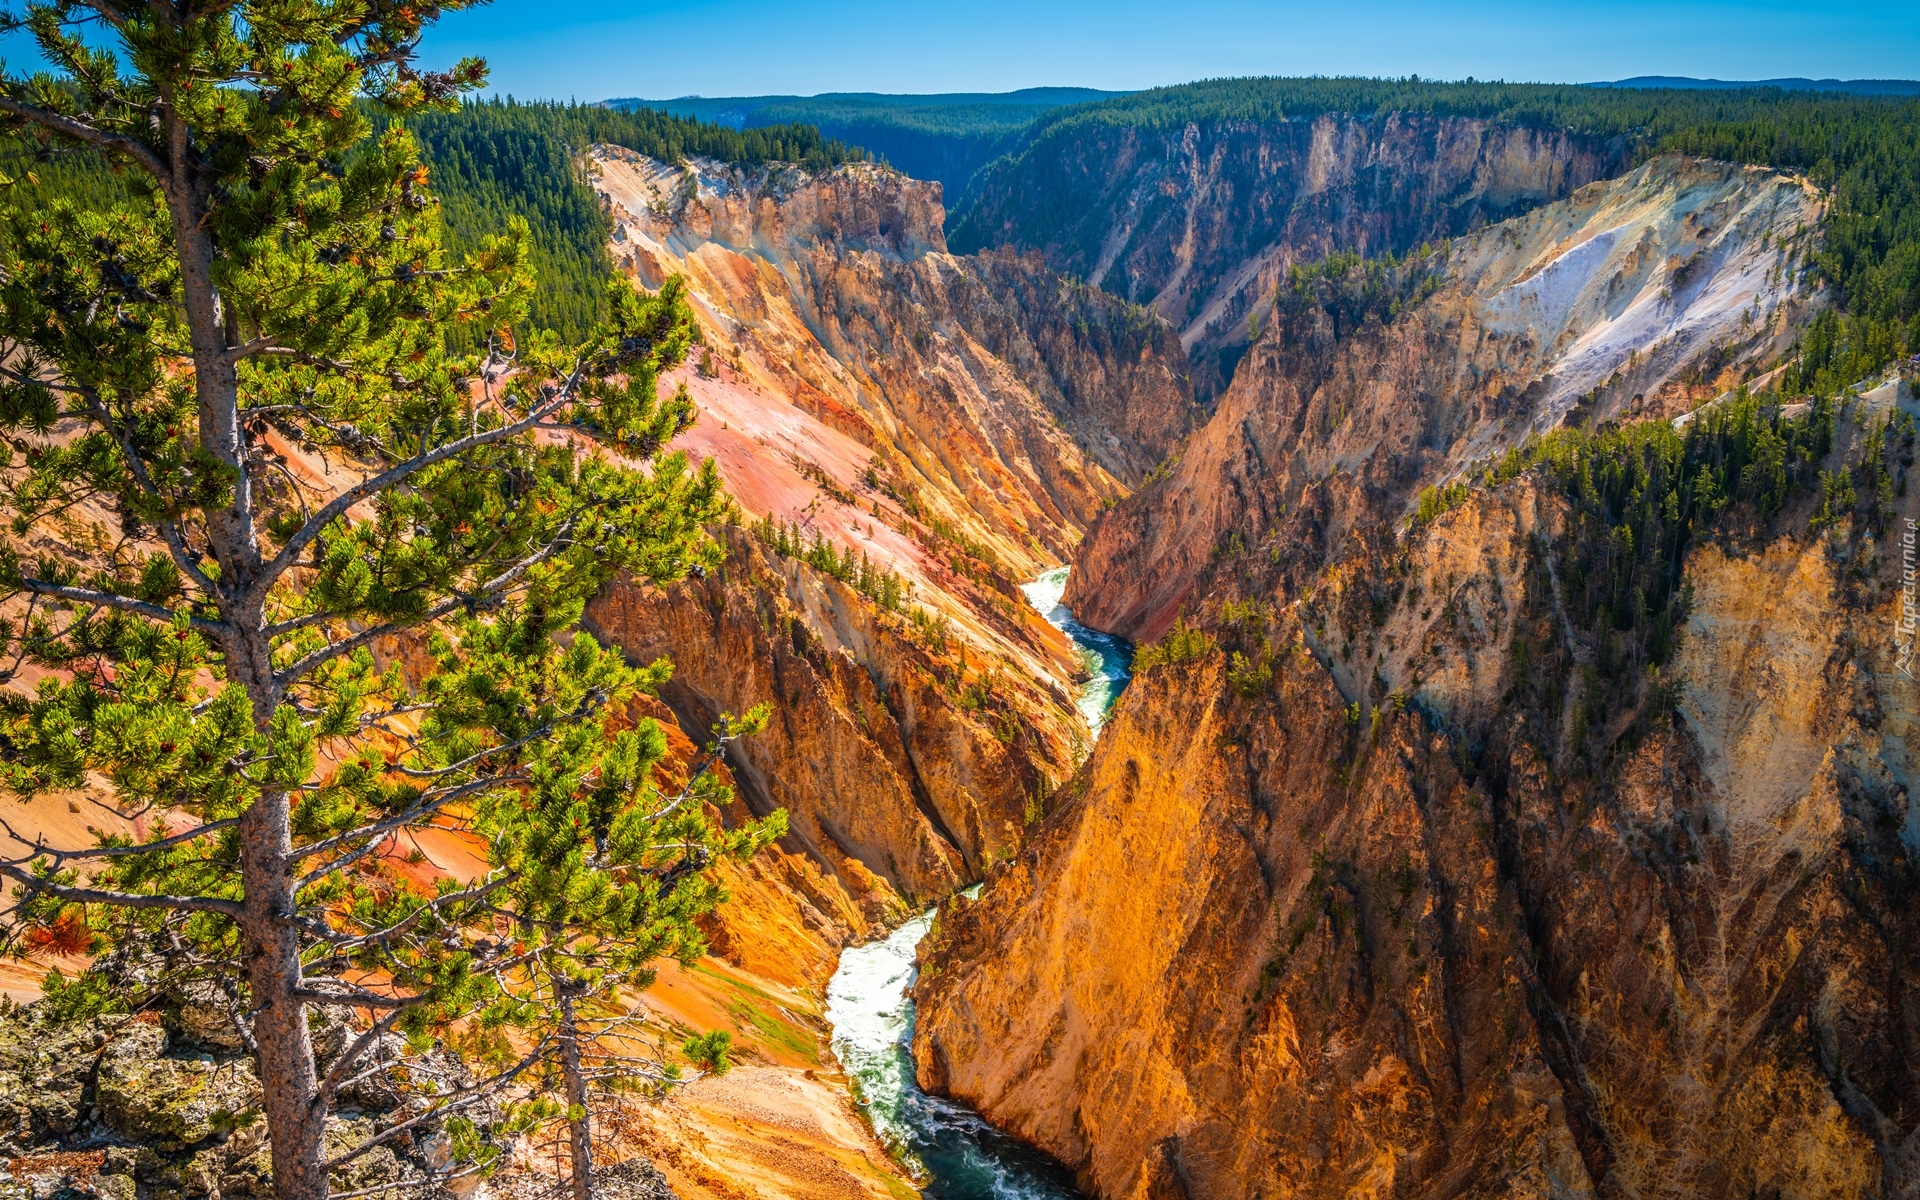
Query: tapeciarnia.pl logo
(1909, 601)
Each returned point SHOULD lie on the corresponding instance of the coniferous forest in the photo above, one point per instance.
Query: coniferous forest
(497, 160)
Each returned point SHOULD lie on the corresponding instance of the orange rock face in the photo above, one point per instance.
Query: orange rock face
(1275, 945)
(1344, 905)
(957, 421)
(889, 782)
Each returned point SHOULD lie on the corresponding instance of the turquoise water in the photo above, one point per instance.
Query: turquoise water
(1108, 657)
(952, 1152)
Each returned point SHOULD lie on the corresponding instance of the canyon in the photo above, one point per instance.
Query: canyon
(1422, 856)
(1351, 899)
(1337, 905)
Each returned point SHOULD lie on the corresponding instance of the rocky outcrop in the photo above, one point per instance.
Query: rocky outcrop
(1682, 274)
(1260, 952)
(1201, 221)
(903, 783)
(119, 1107)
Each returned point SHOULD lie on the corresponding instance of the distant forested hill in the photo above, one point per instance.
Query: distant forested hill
(946, 137)
(1859, 87)
(1864, 148)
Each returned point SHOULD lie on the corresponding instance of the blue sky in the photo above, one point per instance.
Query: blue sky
(593, 49)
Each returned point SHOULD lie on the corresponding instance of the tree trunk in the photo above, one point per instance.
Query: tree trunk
(579, 1123)
(295, 1121)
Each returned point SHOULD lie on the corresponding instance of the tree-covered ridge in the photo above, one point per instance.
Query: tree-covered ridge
(1865, 150)
(949, 113)
(1639, 498)
(496, 160)
(944, 137)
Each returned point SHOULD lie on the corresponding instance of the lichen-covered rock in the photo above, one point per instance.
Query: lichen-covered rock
(145, 1093)
(634, 1179)
(45, 1069)
(203, 1013)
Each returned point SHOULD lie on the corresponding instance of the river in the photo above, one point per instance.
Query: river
(953, 1153)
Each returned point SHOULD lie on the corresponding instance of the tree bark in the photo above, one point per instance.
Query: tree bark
(296, 1121)
(579, 1123)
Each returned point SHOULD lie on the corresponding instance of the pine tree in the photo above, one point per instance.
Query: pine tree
(595, 941)
(292, 672)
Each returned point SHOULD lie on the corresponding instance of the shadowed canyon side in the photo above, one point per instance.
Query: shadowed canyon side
(1201, 219)
(1635, 296)
(1425, 858)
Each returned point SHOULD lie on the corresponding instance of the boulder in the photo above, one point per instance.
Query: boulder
(201, 1012)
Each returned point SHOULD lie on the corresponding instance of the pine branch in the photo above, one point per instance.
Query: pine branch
(36, 885)
(380, 829)
(59, 855)
(81, 132)
(393, 476)
(485, 594)
(60, 591)
(356, 996)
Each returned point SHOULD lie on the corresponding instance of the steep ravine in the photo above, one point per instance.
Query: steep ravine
(954, 1153)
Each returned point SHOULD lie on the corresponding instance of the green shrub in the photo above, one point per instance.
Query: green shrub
(1182, 644)
(1249, 677)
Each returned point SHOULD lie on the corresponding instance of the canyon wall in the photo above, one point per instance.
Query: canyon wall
(1307, 937)
(1202, 220)
(1644, 293)
(1372, 886)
